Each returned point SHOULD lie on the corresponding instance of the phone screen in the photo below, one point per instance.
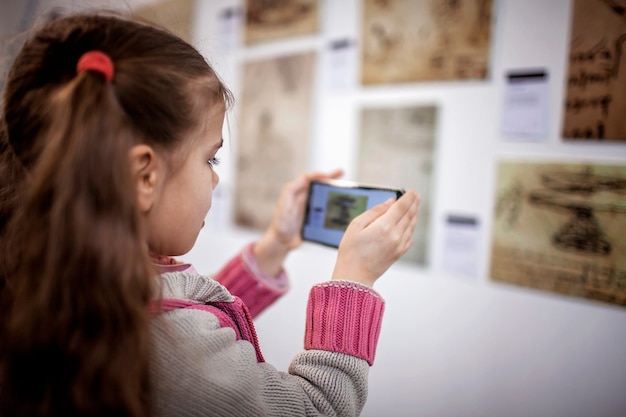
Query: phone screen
(331, 207)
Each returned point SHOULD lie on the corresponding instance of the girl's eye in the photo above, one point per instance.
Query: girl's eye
(214, 161)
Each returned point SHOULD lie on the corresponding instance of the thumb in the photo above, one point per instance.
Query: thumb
(369, 216)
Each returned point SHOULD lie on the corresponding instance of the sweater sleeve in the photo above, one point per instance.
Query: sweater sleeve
(202, 369)
(344, 316)
(244, 279)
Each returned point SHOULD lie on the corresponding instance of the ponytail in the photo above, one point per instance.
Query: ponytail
(81, 256)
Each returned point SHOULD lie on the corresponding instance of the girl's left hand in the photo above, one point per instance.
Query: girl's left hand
(283, 233)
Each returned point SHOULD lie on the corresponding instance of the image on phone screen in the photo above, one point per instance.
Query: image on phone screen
(331, 208)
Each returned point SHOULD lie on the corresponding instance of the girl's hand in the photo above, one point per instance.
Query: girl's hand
(376, 239)
(283, 233)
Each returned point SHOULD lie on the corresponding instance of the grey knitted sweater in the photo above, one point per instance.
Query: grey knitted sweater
(201, 369)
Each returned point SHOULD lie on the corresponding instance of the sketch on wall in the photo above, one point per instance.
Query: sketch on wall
(13, 35)
(560, 228)
(397, 147)
(596, 81)
(278, 19)
(174, 15)
(425, 40)
(274, 130)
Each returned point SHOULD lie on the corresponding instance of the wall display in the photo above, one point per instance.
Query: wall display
(175, 15)
(560, 228)
(596, 103)
(397, 148)
(425, 40)
(274, 129)
(278, 19)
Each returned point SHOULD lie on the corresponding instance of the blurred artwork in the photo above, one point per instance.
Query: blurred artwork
(279, 19)
(596, 81)
(560, 228)
(396, 149)
(425, 40)
(173, 15)
(14, 31)
(274, 130)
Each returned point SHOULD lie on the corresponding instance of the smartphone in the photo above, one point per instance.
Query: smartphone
(331, 205)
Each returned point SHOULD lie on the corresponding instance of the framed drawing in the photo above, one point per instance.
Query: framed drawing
(274, 130)
(560, 228)
(596, 80)
(174, 15)
(406, 136)
(425, 40)
(17, 17)
(271, 20)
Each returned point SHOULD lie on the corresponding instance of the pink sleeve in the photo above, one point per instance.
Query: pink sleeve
(243, 278)
(344, 317)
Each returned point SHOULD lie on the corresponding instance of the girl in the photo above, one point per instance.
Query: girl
(108, 141)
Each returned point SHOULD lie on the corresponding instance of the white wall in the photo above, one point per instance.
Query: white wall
(450, 346)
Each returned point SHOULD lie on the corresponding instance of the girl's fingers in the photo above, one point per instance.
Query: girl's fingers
(368, 217)
(403, 209)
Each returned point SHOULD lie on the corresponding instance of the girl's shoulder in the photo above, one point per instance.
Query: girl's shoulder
(192, 286)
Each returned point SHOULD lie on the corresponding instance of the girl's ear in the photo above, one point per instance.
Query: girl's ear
(145, 173)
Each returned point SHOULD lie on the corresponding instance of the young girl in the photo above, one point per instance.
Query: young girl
(109, 137)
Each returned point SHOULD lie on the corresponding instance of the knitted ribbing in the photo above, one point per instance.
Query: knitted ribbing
(245, 279)
(344, 317)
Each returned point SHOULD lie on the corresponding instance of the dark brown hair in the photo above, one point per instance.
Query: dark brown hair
(75, 277)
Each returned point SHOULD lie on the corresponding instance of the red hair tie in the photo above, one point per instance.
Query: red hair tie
(96, 61)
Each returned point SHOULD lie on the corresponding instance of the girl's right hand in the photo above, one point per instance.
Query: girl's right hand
(375, 239)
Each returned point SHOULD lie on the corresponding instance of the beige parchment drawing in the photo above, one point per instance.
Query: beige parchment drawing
(174, 15)
(560, 228)
(596, 81)
(13, 36)
(425, 40)
(274, 133)
(279, 19)
(396, 149)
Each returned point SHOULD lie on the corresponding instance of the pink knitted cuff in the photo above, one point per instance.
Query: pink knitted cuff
(344, 317)
(243, 278)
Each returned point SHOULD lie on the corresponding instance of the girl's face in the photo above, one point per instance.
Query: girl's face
(184, 197)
